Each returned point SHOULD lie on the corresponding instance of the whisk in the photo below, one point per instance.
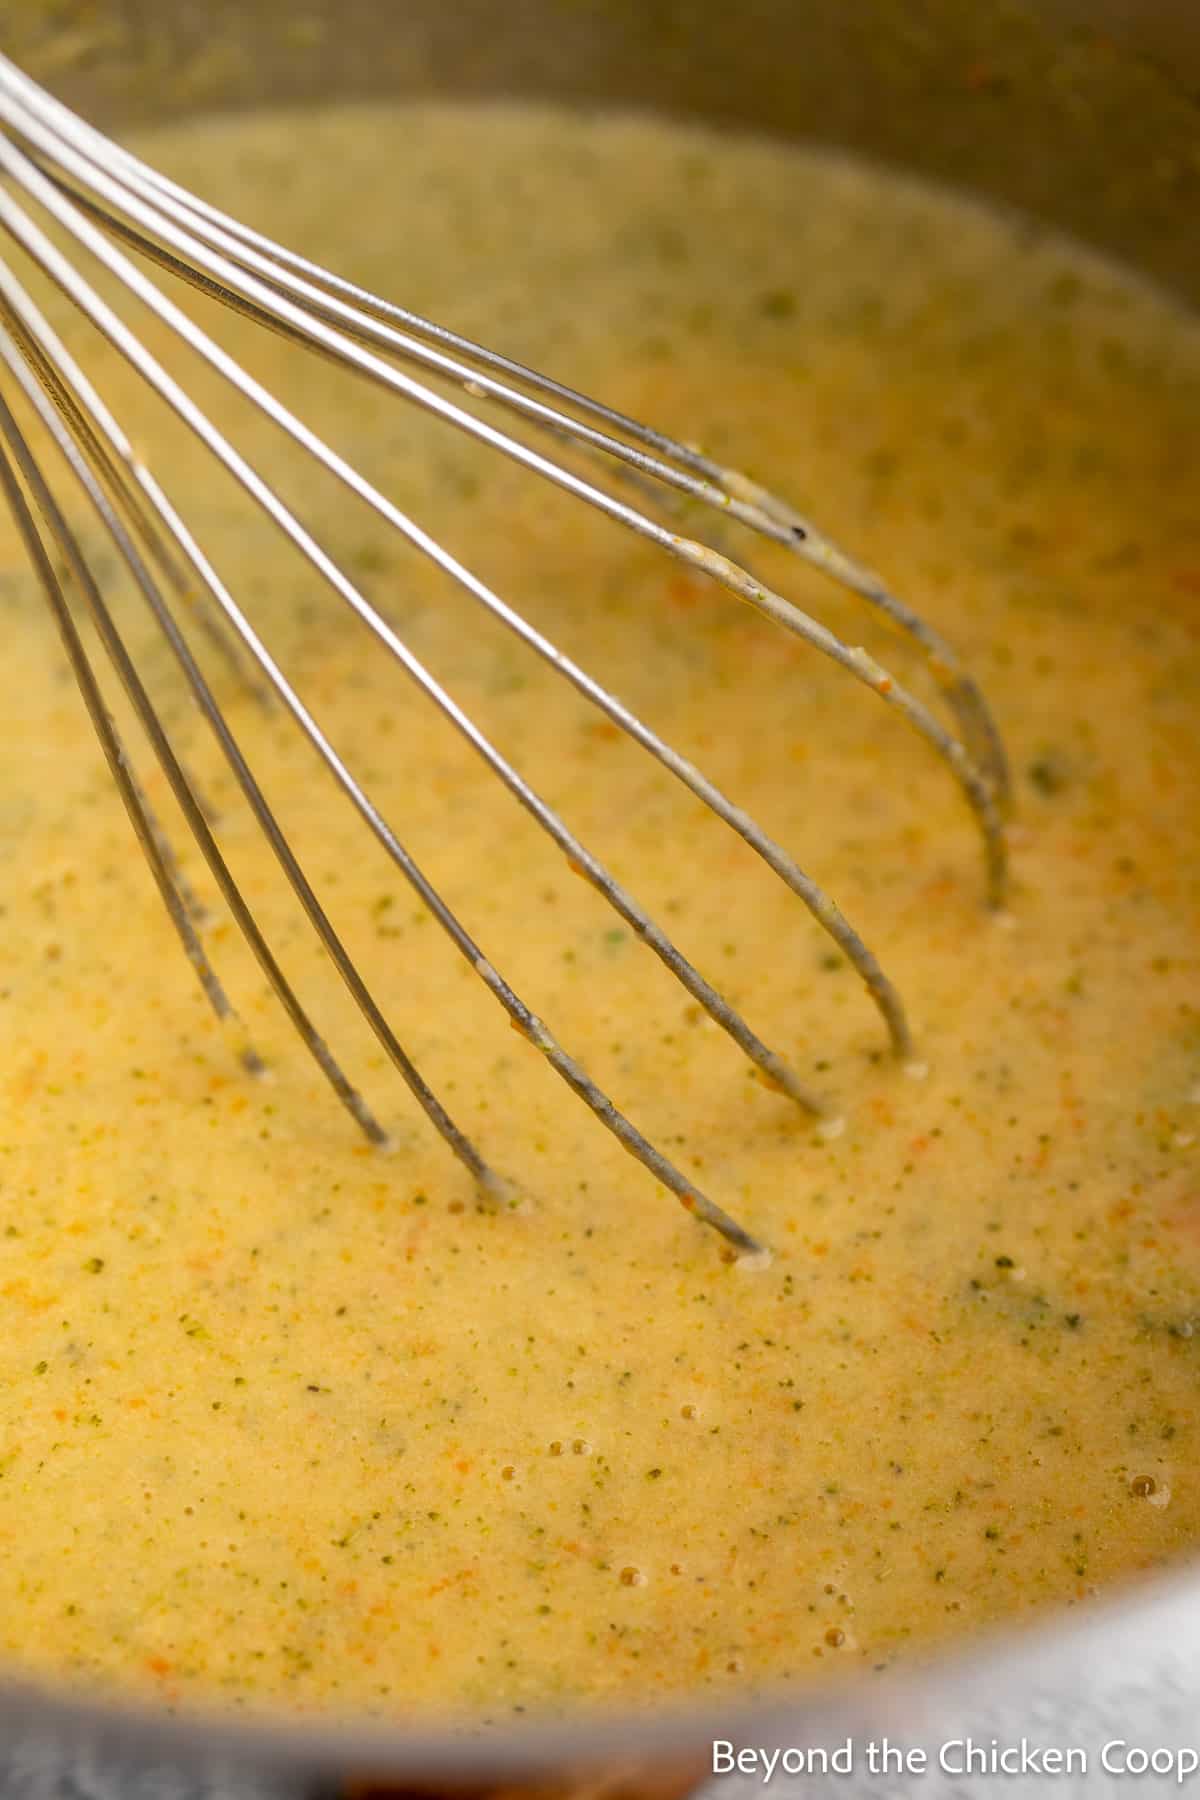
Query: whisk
(61, 173)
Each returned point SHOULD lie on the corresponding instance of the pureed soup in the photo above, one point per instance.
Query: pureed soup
(285, 1418)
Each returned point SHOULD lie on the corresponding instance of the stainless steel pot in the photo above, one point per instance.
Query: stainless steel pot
(1082, 112)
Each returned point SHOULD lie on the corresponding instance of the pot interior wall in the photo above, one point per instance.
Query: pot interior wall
(1086, 112)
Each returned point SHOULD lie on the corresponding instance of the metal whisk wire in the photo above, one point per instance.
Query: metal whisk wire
(101, 197)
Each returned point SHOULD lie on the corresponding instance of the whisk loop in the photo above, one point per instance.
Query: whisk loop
(106, 202)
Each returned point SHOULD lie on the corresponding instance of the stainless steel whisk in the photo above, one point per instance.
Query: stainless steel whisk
(57, 169)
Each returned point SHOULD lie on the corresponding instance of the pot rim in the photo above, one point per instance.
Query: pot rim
(1153, 1615)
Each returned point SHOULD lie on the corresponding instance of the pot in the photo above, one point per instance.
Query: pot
(1085, 113)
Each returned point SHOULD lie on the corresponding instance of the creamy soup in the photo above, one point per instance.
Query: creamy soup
(286, 1417)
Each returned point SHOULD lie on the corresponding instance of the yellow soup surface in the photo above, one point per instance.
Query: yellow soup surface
(285, 1417)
